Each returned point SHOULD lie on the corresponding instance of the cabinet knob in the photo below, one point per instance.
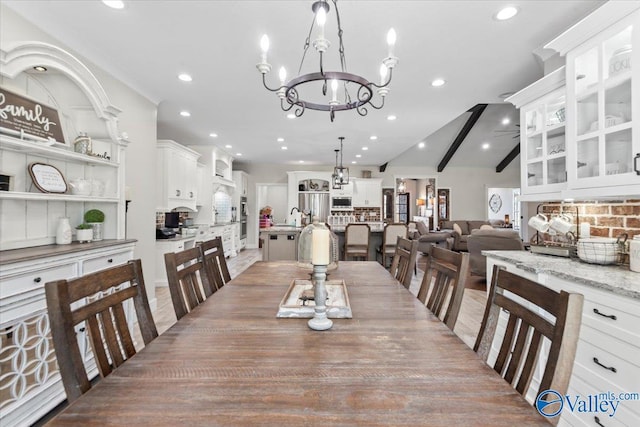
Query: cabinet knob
(191, 194)
(110, 260)
(177, 193)
(37, 280)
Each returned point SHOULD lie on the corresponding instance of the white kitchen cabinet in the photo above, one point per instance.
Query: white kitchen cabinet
(608, 352)
(344, 190)
(367, 192)
(177, 176)
(165, 246)
(200, 172)
(241, 180)
(543, 149)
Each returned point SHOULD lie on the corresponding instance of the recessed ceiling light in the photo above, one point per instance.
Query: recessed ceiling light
(291, 116)
(40, 68)
(373, 137)
(185, 113)
(301, 161)
(421, 145)
(238, 154)
(358, 155)
(280, 139)
(391, 117)
(506, 13)
(284, 147)
(365, 148)
(485, 146)
(114, 4)
(505, 95)
(213, 135)
(228, 146)
(185, 77)
(506, 121)
(353, 162)
(437, 82)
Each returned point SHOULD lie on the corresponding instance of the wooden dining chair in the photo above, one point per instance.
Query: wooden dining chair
(390, 235)
(357, 240)
(404, 260)
(520, 347)
(215, 264)
(443, 283)
(188, 280)
(97, 299)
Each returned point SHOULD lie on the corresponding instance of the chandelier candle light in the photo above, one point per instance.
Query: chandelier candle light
(291, 92)
(320, 257)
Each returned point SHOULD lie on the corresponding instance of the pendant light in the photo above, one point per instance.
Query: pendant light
(340, 175)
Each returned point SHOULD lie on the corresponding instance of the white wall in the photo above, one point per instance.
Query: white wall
(138, 119)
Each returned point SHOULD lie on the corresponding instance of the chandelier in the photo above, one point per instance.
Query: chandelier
(295, 92)
(340, 175)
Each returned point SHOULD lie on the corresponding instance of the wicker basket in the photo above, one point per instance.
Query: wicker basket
(601, 250)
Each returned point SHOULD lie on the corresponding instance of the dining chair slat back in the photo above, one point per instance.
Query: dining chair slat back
(404, 260)
(97, 299)
(357, 238)
(524, 301)
(215, 264)
(443, 283)
(390, 235)
(188, 281)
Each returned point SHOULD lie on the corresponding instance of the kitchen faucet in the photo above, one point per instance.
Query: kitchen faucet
(291, 213)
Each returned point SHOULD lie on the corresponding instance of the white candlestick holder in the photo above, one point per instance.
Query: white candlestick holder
(320, 321)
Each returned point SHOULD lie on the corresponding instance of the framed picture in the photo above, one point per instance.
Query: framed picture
(47, 178)
(26, 118)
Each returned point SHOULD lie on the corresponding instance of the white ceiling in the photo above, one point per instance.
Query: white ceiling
(149, 43)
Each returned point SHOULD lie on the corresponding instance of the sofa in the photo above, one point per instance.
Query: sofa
(419, 231)
(460, 230)
(501, 239)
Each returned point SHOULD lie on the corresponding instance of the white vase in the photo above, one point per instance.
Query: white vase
(63, 232)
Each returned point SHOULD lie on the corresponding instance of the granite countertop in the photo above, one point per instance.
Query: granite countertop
(177, 238)
(377, 227)
(281, 228)
(613, 278)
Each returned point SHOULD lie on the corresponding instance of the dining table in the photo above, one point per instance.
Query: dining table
(232, 362)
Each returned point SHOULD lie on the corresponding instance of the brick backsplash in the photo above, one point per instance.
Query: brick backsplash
(370, 214)
(607, 219)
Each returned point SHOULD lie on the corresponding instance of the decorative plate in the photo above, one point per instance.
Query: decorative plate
(495, 203)
(47, 178)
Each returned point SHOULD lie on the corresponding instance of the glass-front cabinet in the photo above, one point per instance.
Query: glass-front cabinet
(601, 92)
(544, 144)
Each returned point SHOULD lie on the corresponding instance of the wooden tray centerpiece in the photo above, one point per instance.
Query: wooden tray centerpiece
(298, 301)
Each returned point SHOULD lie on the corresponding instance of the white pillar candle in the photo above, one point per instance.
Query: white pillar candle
(585, 230)
(320, 247)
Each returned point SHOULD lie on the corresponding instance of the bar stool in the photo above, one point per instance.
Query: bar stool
(357, 240)
(389, 238)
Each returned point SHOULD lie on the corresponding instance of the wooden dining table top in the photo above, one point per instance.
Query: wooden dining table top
(232, 362)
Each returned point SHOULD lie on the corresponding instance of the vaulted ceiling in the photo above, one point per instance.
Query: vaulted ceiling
(148, 43)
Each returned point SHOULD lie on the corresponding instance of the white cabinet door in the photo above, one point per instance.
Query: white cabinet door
(177, 175)
(603, 130)
(367, 193)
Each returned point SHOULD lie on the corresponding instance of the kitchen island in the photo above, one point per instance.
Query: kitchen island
(375, 238)
(280, 243)
(608, 353)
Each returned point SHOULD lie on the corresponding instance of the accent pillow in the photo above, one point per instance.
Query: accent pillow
(422, 228)
(486, 227)
(457, 228)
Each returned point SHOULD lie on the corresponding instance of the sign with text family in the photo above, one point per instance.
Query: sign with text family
(20, 115)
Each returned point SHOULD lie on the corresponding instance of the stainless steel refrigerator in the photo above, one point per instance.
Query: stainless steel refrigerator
(315, 203)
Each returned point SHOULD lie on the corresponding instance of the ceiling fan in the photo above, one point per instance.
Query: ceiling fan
(506, 132)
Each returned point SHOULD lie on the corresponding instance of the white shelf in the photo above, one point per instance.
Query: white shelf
(52, 152)
(18, 195)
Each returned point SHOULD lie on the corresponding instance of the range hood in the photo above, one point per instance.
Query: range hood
(222, 184)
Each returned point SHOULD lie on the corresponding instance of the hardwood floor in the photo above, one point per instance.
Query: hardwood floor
(466, 328)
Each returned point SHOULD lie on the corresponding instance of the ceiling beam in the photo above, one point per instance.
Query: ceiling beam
(475, 111)
(505, 162)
